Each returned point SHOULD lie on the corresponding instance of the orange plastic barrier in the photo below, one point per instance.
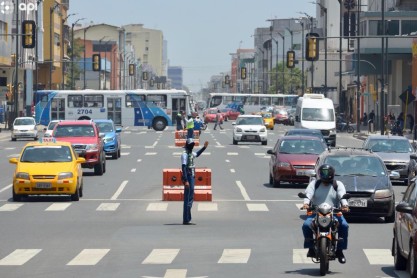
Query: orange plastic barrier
(182, 134)
(181, 142)
(173, 189)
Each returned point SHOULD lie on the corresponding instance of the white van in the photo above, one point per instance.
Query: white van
(314, 111)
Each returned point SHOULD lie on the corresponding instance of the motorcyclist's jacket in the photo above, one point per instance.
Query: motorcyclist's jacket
(187, 163)
(325, 194)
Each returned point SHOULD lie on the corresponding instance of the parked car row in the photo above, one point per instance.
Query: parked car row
(53, 165)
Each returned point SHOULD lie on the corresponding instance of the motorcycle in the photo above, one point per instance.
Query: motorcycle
(396, 129)
(325, 231)
(342, 126)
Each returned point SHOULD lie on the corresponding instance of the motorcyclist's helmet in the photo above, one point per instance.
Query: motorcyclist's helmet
(189, 144)
(326, 173)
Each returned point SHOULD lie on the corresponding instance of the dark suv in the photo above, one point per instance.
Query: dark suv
(85, 138)
(366, 179)
(404, 243)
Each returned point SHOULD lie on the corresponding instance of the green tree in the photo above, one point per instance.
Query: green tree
(78, 48)
(292, 81)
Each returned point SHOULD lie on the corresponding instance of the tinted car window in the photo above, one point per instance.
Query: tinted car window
(409, 195)
(301, 147)
(389, 145)
(356, 165)
(249, 121)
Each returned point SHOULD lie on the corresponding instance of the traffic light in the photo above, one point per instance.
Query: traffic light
(227, 79)
(145, 75)
(290, 59)
(243, 73)
(131, 69)
(96, 62)
(151, 82)
(9, 94)
(312, 47)
(29, 33)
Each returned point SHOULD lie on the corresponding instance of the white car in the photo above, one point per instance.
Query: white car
(48, 130)
(24, 127)
(249, 128)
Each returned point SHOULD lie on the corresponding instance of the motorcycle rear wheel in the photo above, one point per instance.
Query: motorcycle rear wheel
(323, 255)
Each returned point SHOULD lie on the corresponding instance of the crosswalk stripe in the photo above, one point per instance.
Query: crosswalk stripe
(89, 257)
(19, 256)
(10, 207)
(379, 256)
(257, 207)
(299, 256)
(207, 207)
(58, 206)
(108, 206)
(232, 153)
(161, 256)
(150, 153)
(235, 256)
(157, 207)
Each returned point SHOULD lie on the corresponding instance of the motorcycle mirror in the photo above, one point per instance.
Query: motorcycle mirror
(302, 195)
(346, 196)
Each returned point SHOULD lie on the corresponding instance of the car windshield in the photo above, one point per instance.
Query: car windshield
(74, 131)
(249, 121)
(52, 125)
(105, 127)
(301, 147)
(305, 132)
(46, 154)
(317, 114)
(24, 122)
(390, 145)
(356, 165)
(267, 115)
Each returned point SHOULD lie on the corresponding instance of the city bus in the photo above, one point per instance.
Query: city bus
(250, 103)
(151, 108)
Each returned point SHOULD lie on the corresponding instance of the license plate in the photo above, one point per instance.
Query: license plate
(250, 137)
(358, 203)
(43, 185)
(302, 172)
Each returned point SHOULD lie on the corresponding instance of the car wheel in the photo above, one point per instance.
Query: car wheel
(98, 169)
(104, 163)
(234, 142)
(264, 143)
(114, 156)
(76, 195)
(81, 188)
(118, 153)
(271, 179)
(16, 197)
(412, 262)
(390, 218)
(276, 183)
(13, 139)
(400, 263)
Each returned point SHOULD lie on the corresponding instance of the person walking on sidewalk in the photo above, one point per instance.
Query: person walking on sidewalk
(219, 120)
(188, 177)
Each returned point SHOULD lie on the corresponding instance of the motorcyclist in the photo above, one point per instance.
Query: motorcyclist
(331, 192)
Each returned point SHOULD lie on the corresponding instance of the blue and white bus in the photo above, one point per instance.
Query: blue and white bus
(250, 103)
(151, 108)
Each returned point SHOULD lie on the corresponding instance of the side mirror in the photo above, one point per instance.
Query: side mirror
(80, 160)
(346, 196)
(119, 129)
(234, 123)
(394, 175)
(101, 135)
(271, 152)
(413, 156)
(404, 207)
(302, 195)
(13, 160)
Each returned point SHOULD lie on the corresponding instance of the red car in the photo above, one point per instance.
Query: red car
(281, 116)
(85, 138)
(210, 115)
(293, 158)
(230, 114)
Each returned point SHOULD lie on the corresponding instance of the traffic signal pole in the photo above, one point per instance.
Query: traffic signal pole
(16, 72)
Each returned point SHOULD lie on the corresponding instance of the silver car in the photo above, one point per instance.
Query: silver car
(395, 151)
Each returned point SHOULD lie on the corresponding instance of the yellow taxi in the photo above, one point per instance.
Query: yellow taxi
(47, 167)
(268, 120)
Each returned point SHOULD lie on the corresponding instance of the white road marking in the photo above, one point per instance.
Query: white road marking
(177, 153)
(218, 143)
(119, 190)
(19, 256)
(244, 147)
(379, 256)
(124, 154)
(161, 256)
(157, 207)
(6, 188)
(10, 207)
(108, 206)
(206, 153)
(232, 153)
(243, 191)
(133, 170)
(259, 154)
(299, 206)
(299, 256)
(139, 160)
(172, 273)
(257, 207)
(232, 171)
(126, 147)
(150, 153)
(207, 207)
(235, 256)
(89, 257)
(227, 160)
(58, 207)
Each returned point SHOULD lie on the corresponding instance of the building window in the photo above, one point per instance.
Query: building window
(408, 26)
(57, 39)
(392, 27)
(3, 30)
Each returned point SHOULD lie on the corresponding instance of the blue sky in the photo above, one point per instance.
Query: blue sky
(200, 33)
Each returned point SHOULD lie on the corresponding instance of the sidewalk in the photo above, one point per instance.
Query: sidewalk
(363, 134)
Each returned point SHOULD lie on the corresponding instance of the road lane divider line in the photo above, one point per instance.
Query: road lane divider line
(379, 256)
(133, 170)
(161, 256)
(108, 206)
(10, 207)
(243, 191)
(299, 256)
(257, 207)
(19, 256)
(157, 207)
(119, 190)
(58, 207)
(6, 188)
(232, 171)
(235, 256)
(89, 257)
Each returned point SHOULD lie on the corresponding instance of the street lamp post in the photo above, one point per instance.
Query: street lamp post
(283, 62)
(99, 73)
(72, 51)
(85, 80)
(324, 10)
(51, 56)
(302, 54)
(291, 48)
(383, 98)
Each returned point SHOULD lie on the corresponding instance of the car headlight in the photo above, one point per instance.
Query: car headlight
(65, 175)
(283, 164)
(238, 129)
(262, 130)
(382, 194)
(15, 130)
(107, 140)
(22, 175)
(91, 147)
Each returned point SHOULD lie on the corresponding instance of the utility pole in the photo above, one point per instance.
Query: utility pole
(383, 99)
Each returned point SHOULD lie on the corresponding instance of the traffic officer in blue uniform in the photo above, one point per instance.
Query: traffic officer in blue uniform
(188, 176)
